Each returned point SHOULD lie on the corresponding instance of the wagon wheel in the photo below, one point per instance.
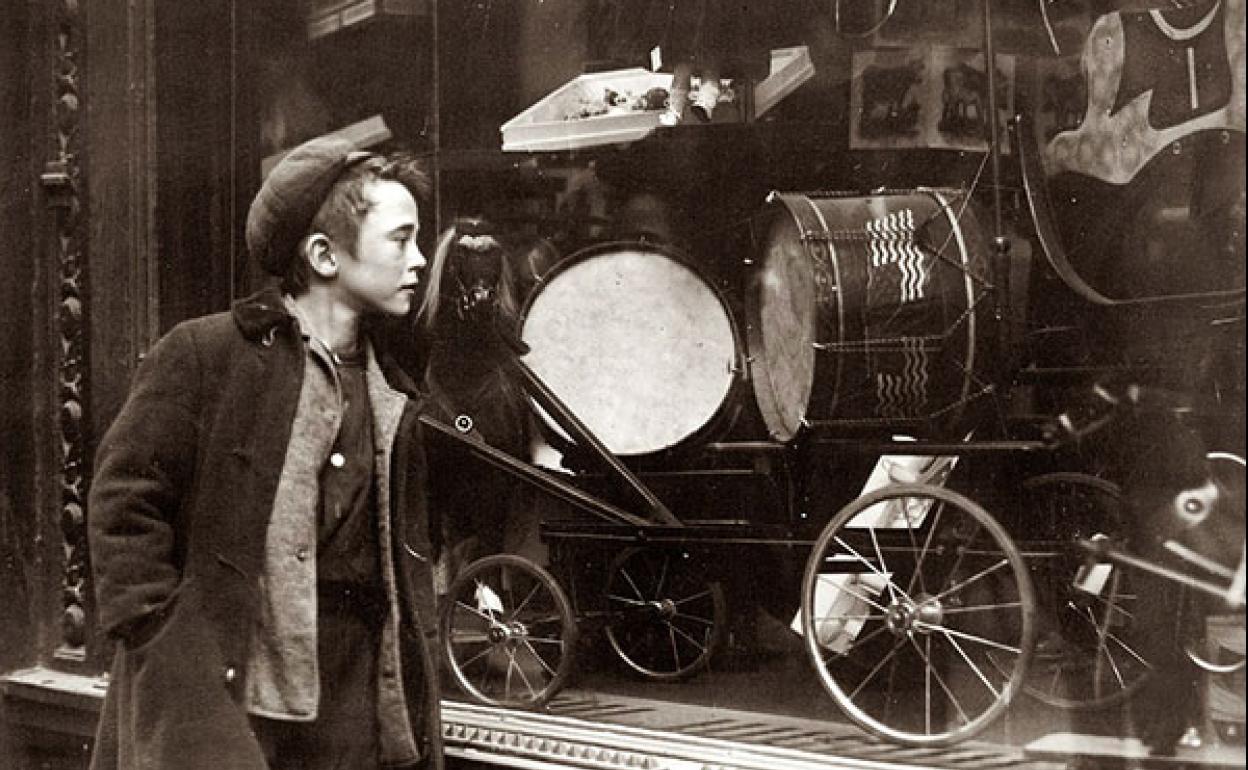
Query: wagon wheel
(508, 632)
(1088, 655)
(918, 611)
(665, 619)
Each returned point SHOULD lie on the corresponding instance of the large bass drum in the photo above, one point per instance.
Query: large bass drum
(639, 346)
(870, 311)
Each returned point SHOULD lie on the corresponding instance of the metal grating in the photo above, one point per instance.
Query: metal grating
(587, 729)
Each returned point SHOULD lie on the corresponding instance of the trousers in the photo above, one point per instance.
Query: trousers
(344, 735)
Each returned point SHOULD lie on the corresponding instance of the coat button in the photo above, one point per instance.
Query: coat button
(337, 460)
(302, 554)
(230, 674)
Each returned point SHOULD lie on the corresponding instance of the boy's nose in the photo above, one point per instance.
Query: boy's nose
(416, 259)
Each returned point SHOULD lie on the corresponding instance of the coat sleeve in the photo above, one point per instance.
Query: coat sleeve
(144, 468)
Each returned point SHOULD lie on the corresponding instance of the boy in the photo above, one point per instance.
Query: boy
(258, 528)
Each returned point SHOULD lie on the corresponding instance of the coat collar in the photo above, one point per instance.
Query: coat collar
(259, 315)
(262, 314)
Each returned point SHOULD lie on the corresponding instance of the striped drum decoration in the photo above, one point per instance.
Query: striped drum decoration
(870, 312)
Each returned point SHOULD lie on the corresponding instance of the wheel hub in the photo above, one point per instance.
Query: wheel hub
(501, 633)
(923, 616)
(664, 608)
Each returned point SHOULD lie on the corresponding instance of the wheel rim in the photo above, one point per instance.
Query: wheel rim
(1088, 657)
(920, 630)
(665, 619)
(508, 632)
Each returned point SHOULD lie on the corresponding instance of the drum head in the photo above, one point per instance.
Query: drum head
(636, 343)
(782, 330)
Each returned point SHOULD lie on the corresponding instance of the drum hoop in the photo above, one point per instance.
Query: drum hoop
(726, 413)
(800, 214)
(754, 343)
(956, 224)
(835, 260)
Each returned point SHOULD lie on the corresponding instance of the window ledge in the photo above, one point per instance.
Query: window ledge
(43, 702)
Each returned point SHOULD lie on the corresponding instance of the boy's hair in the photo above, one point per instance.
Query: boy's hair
(347, 203)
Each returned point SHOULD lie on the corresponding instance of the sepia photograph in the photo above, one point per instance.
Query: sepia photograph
(622, 385)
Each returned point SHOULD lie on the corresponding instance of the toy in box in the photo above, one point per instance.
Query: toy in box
(610, 107)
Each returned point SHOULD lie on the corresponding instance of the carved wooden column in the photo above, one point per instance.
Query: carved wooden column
(63, 183)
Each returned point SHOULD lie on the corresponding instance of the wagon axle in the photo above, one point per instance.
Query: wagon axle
(905, 615)
(510, 632)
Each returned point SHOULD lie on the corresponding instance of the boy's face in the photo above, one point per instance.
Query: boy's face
(382, 273)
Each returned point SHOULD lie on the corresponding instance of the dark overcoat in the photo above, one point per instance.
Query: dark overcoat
(177, 520)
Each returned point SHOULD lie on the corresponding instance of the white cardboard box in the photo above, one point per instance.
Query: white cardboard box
(547, 125)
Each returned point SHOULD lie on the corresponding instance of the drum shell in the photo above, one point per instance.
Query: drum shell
(871, 312)
(604, 350)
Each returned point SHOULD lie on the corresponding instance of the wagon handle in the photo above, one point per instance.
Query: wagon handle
(554, 406)
(1105, 550)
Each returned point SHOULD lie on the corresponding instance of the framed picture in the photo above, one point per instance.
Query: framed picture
(930, 97)
(961, 99)
(888, 98)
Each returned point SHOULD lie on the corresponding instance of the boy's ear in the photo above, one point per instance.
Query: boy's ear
(319, 253)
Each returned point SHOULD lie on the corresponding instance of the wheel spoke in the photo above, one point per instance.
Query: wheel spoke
(923, 552)
(688, 637)
(543, 620)
(866, 598)
(865, 616)
(626, 600)
(878, 667)
(512, 665)
(528, 597)
(927, 685)
(1127, 648)
(694, 618)
(982, 608)
(468, 636)
(477, 657)
(829, 653)
(700, 595)
(658, 588)
(867, 563)
(1003, 564)
(624, 574)
(974, 667)
(951, 632)
(541, 661)
(671, 635)
(1106, 636)
(485, 676)
(875, 543)
(931, 668)
(488, 617)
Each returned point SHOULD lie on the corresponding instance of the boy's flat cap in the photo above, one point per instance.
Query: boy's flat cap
(291, 195)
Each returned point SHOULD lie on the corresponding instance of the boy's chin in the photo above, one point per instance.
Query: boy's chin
(399, 308)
